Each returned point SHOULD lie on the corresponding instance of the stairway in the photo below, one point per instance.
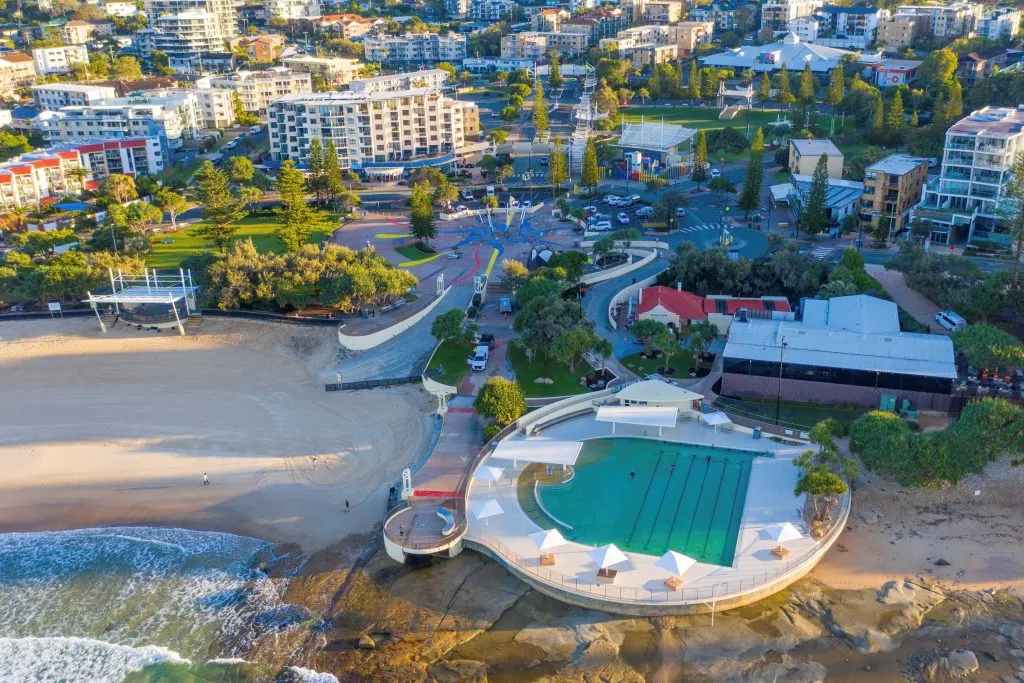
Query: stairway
(193, 323)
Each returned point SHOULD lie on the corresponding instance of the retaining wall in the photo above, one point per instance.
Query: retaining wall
(369, 341)
(627, 293)
(618, 271)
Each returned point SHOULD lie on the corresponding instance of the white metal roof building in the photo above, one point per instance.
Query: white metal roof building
(789, 52)
(657, 137)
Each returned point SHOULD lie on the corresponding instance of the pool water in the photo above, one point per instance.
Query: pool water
(683, 497)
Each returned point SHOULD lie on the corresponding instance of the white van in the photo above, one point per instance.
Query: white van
(490, 190)
(950, 320)
(478, 361)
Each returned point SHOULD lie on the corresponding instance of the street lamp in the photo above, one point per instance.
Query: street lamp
(778, 395)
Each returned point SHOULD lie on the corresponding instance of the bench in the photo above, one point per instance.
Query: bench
(606, 575)
(448, 517)
(780, 552)
(673, 583)
(547, 559)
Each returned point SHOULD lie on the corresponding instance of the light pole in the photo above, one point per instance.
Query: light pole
(778, 395)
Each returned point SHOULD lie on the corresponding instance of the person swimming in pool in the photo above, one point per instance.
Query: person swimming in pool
(632, 475)
(709, 459)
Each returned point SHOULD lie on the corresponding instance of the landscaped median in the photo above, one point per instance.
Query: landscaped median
(563, 382)
(415, 255)
(681, 362)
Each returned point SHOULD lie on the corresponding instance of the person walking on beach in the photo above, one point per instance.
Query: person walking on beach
(346, 505)
(314, 462)
(206, 480)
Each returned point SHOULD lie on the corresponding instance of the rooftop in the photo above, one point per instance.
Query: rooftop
(816, 147)
(838, 194)
(993, 121)
(897, 164)
(857, 313)
(684, 304)
(654, 136)
(789, 51)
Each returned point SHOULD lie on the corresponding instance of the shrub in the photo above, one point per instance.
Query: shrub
(501, 400)
(491, 431)
(471, 312)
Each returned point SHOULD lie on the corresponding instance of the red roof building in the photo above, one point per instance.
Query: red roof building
(678, 308)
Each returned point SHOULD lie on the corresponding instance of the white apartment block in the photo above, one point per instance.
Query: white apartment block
(851, 28)
(77, 32)
(538, 46)
(456, 9)
(387, 131)
(425, 78)
(967, 198)
(119, 8)
(185, 29)
(294, 9)
(776, 14)
(951, 21)
(335, 70)
(257, 89)
(999, 23)
(53, 96)
(415, 48)
(490, 10)
(172, 118)
(58, 60)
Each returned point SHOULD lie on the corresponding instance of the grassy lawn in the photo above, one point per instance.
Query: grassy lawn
(682, 362)
(178, 174)
(451, 359)
(183, 244)
(700, 117)
(780, 177)
(413, 252)
(853, 150)
(802, 415)
(565, 383)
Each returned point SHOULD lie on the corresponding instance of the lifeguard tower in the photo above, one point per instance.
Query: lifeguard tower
(151, 300)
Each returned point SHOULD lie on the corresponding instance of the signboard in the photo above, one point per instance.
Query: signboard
(55, 308)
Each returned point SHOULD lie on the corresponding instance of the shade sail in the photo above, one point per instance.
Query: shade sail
(546, 451)
(546, 540)
(488, 473)
(606, 556)
(646, 416)
(676, 563)
(482, 509)
(715, 419)
(782, 532)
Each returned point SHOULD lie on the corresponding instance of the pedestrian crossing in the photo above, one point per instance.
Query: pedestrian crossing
(700, 227)
(821, 253)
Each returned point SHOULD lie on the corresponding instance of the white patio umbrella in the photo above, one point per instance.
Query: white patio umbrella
(489, 474)
(546, 540)
(482, 509)
(606, 556)
(782, 532)
(675, 563)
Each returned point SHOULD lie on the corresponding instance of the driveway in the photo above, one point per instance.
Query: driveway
(913, 302)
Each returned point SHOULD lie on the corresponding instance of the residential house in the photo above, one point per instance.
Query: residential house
(981, 64)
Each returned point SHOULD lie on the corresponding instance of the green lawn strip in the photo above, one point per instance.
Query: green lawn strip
(682, 362)
(412, 252)
(450, 357)
(565, 383)
(803, 415)
(183, 243)
(700, 117)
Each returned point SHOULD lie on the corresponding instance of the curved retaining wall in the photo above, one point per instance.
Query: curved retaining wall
(617, 271)
(369, 341)
(628, 292)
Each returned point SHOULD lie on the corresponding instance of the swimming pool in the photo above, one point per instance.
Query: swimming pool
(679, 497)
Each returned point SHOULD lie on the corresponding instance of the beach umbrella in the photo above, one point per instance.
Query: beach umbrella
(546, 540)
(606, 556)
(782, 532)
(489, 474)
(675, 563)
(486, 508)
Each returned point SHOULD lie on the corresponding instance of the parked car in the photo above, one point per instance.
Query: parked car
(454, 255)
(478, 361)
(645, 211)
(527, 204)
(950, 321)
(680, 212)
(467, 195)
(715, 173)
(623, 218)
(601, 226)
(462, 207)
(589, 210)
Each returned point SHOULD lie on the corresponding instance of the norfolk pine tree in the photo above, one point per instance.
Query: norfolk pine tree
(764, 89)
(894, 120)
(540, 108)
(299, 218)
(750, 198)
(221, 209)
(558, 167)
(700, 159)
(555, 71)
(317, 179)
(693, 87)
(421, 214)
(815, 216)
(807, 84)
(782, 83)
(333, 183)
(591, 177)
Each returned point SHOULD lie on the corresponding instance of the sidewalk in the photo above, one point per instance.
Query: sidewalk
(913, 302)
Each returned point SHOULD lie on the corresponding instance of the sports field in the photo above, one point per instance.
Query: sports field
(700, 117)
(650, 496)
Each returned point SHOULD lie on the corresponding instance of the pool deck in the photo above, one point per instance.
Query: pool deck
(769, 500)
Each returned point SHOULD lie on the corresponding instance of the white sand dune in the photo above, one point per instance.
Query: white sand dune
(119, 428)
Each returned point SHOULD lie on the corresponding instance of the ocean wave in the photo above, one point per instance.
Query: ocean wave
(70, 660)
(310, 676)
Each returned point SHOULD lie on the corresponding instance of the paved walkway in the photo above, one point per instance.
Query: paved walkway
(913, 302)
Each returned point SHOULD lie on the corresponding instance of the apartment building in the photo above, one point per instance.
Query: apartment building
(188, 29)
(58, 60)
(415, 48)
(334, 70)
(649, 54)
(380, 133)
(851, 28)
(607, 21)
(77, 32)
(171, 120)
(689, 35)
(485, 66)
(491, 10)
(425, 78)
(261, 49)
(900, 31)
(721, 14)
(950, 21)
(53, 96)
(804, 155)
(537, 46)
(456, 9)
(981, 64)
(293, 9)
(892, 187)
(999, 23)
(661, 11)
(549, 20)
(257, 89)
(16, 70)
(349, 26)
(776, 14)
(964, 203)
(119, 8)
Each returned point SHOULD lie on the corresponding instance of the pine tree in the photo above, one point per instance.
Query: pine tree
(693, 87)
(894, 121)
(913, 120)
(750, 198)
(333, 184)
(317, 180)
(954, 101)
(815, 215)
(558, 167)
(299, 219)
(555, 71)
(221, 209)
(591, 177)
(700, 159)
(764, 89)
(709, 83)
(421, 213)
(540, 108)
(877, 117)
(836, 90)
(782, 84)
(807, 84)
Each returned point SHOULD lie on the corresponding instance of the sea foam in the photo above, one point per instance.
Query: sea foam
(74, 660)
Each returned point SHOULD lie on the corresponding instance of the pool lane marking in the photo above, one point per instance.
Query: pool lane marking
(714, 508)
(732, 514)
(689, 529)
(718, 493)
(661, 503)
(679, 503)
(636, 521)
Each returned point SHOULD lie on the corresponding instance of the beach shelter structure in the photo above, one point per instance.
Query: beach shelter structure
(676, 564)
(782, 533)
(546, 541)
(645, 416)
(483, 509)
(716, 419)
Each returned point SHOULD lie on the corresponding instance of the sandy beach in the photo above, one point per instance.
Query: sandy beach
(119, 428)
